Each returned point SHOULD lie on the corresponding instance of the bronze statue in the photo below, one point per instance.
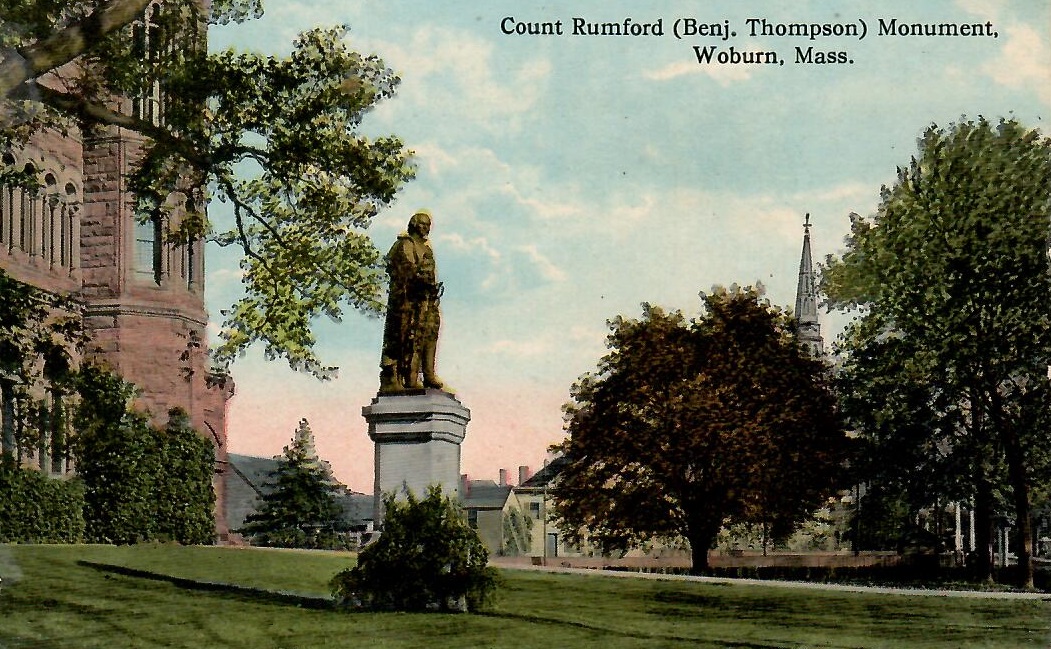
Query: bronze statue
(410, 334)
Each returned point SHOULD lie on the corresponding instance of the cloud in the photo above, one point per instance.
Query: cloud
(544, 207)
(454, 71)
(518, 348)
(1024, 62)
(987, 9)
(548, 270)
(477, 244)
(724, 75)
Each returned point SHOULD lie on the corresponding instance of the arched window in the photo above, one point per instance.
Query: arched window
(27, 217)
(51, 219)
(56, 430)
(69, 245)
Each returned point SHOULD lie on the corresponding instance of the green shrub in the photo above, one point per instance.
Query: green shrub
(37, 509)
(426, 558)
(141, 483)
(299, 507)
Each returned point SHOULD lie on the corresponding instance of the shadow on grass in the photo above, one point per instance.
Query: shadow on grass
(243, 592)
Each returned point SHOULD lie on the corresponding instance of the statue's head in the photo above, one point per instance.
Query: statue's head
(420, 223)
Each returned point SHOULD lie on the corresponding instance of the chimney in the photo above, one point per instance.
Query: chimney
(524, 473)
(503, 477)
(465, 486)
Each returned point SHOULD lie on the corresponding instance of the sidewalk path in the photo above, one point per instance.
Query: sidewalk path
(847, 588)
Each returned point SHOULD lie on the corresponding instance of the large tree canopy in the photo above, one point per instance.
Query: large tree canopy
(688, 425)
(949, 357)
(276, 139)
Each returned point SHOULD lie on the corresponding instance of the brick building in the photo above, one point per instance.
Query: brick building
(142, 297)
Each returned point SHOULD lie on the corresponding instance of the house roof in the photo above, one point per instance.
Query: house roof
(547, 475)
(244, 483)
(486, 494)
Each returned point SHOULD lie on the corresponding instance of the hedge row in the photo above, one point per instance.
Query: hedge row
(38, 509)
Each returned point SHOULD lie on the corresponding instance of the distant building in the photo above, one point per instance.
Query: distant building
(534, 494)
(247, 480)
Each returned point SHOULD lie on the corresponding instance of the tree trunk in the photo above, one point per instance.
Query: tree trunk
(1016, 475)
(1022, 506)
(983, 532)
(701, 541)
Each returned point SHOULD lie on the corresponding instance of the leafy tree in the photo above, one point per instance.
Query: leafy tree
(275, 138)
(951, 351)
(184, 497)
(113, 450)
(689, 425)
(299, 507)
(140, 483)
(39, 332)
(427, 558)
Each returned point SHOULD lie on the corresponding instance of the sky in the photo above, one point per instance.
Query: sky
(573, 177)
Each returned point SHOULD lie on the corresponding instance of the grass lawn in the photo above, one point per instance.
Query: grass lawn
(99, 596)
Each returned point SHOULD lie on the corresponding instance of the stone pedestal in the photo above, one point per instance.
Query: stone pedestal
(417, 436)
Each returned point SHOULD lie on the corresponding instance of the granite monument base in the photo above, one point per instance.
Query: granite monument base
(417, 434)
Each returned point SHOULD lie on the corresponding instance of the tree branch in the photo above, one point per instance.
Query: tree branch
(93, 112)
(65, 45)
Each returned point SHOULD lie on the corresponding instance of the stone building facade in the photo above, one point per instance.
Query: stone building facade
(142, 297)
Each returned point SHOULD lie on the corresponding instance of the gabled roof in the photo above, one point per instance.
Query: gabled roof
(546, 476)
(486, 494)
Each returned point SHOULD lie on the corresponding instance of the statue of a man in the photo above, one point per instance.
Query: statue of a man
(410, 334)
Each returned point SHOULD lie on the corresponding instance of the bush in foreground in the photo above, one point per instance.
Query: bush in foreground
(427, 558)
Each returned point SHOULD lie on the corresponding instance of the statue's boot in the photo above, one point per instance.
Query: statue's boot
(389, 381)
(412, 381)
(430, 379)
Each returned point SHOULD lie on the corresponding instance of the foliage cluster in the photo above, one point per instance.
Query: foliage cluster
(945, 369)
(39, 333)
(518, 537)
(135, 482)
(37, 509)
(687, 426)
(140, 482)
(426, 558)
(298, 508)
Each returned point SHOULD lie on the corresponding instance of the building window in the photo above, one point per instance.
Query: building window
(149, 48)
(534, 510)
(51, 216)
(472, 518)
(7, 418)
(7, 215)
(57, 432)
(27, 217)
(148, 249)
(191, 259)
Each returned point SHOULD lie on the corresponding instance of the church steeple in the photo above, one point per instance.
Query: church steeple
(807, 326)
